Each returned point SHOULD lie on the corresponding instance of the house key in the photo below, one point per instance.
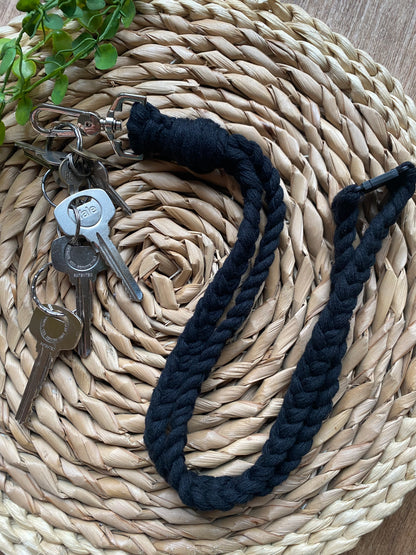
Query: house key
(54, 333)
(98, 178)
(95, 210)
(74, 178)
(82, 264)
(48, 158)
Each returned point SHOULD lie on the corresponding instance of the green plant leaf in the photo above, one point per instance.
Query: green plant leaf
(90, 20)
(7, 58)
(2, 132)
(95, 5)
(105, 56)
(98, 20)
(27, 5)
(110, 26)
(61, 40)
(24, 107)
(128, 9)
(68, 7)
(77, 13)
(25, 69)
(59, 89)
(56, 61)
(53, 21)
(31, 23)
(6, 43)
(84, 43)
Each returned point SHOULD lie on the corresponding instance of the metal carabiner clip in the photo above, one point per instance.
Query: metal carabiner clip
(90, 123)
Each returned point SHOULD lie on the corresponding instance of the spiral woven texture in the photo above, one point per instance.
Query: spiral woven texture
(78, 478)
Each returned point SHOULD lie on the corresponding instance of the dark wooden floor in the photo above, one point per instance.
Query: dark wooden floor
(383, 28)
(386, 30)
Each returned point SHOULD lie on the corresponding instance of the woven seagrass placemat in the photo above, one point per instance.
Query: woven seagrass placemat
(78, 478)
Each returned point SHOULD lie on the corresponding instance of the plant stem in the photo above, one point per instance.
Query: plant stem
(38, 45)
(37, 20)
(53, 73)
(49, 5)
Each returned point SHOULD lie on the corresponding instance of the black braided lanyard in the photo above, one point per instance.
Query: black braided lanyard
(203, 146)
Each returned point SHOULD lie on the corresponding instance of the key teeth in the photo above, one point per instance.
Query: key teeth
(140, 294)
(135, 294)
(83, 350)
(113, 259)
(21, 416)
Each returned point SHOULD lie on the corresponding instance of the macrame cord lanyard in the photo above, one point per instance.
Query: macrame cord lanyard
(203, 146)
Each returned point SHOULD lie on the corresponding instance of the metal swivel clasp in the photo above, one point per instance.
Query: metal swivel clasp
(90, 123)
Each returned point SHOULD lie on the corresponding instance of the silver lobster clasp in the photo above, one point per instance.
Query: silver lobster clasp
(90, 123)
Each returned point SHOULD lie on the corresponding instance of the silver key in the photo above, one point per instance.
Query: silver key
(98, 178)
(82, 264)
(54, 334)
(88, 155)
(46, 156)
(70, 176)
(51, 159)
(95, 211)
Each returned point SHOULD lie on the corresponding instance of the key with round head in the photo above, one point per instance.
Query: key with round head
(98, 178)
(82, 264)
(54, 334)
(95, 211)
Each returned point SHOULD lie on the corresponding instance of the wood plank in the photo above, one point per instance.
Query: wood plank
(384, 29)
(7, 11)
(395, 536)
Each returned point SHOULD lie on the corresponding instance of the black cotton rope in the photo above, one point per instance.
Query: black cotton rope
(203, 146)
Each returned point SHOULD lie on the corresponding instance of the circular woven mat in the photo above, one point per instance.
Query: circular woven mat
(78, 478)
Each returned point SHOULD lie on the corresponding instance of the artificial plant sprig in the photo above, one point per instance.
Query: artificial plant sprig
(24, 69)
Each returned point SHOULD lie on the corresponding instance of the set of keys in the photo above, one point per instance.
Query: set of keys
(82, 251)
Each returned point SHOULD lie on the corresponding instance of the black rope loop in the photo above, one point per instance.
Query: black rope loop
(203, 146)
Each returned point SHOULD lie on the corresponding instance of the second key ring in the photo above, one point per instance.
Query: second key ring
(48, 173)
(66, 125)
(44, 307)
(43, 187)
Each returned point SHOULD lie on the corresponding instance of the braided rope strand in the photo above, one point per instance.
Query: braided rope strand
(203, 146)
